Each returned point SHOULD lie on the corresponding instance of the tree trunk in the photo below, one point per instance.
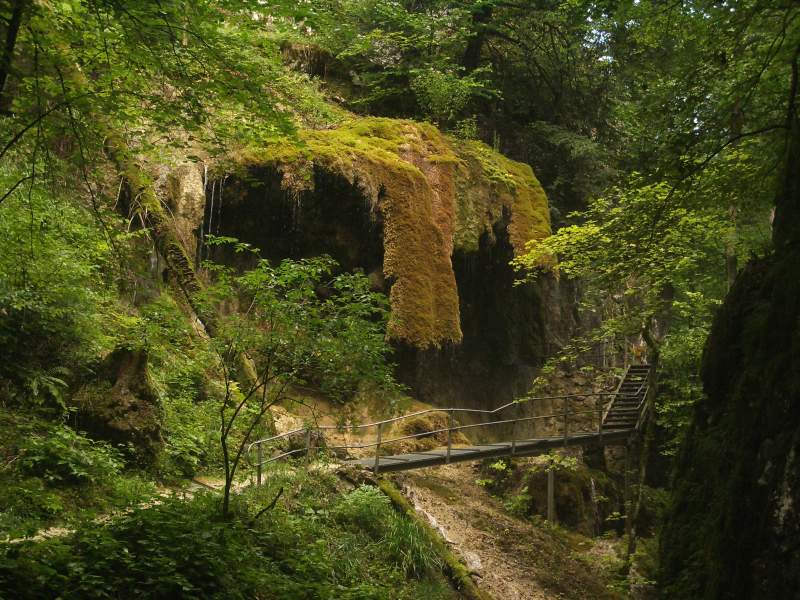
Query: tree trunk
(472, 54)
(786, 226)
(14, 24)
(644, 446)
(731, 261)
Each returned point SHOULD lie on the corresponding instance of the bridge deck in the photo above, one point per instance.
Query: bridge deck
(529, 447)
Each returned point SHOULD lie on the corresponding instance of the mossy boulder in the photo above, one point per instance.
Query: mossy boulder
(584, 498)
(428, 427)
(121, 406)
(432, 194)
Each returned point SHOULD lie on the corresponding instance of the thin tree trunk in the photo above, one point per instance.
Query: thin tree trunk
(731, 261)
(786, 226)
(644, 446)
(7, 59)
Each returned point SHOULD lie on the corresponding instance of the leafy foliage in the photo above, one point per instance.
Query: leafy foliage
(401, 58)
(305, 323)
(444, 96)
(56, 301)
(52, 475)
(179, 549)
(66, 457)
(299, 325)
(653, 261)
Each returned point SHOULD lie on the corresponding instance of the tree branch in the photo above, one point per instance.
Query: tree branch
(15, 186)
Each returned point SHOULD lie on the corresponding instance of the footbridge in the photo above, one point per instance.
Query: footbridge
(573, 420)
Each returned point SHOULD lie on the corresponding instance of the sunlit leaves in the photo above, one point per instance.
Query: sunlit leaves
(305, 323)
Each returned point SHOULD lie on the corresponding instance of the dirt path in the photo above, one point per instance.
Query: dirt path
(512, 559)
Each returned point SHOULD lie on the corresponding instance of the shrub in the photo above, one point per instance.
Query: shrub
(400, 539)
(171, 551)
(182, 549)
(63, 456)
(54, 295)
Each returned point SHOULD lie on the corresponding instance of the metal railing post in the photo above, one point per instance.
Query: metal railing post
(600, 419)
(514, 429)
(378, 449)
(449, 436)
(566, 418)
(260, 461)
(308, 445)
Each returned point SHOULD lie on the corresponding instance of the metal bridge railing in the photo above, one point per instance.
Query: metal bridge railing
(311, 433)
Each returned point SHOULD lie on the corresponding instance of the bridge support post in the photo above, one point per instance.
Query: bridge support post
(260, 461)
(308, 445)
(566, 420)
(551, 494)
(377, 466)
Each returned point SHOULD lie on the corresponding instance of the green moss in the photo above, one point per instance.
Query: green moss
(435, 194)
(491, 183)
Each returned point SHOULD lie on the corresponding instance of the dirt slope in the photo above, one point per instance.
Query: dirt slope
(511, 558)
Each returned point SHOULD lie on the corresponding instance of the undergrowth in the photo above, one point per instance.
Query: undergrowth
(318, 541)
(52, 475)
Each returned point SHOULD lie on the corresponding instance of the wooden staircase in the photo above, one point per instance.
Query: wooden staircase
(626, 406)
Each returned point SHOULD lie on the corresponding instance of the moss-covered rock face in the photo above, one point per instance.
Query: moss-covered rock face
(733, 530)
(120, 405)
(432, 194)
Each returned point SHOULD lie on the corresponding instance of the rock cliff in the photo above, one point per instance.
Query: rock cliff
(433, 220)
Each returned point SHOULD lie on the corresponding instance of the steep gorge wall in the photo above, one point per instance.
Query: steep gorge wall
(733, 530)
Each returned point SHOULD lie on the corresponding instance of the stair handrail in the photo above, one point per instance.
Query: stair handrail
(449, 430)
(642, 388)
(378, 443)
